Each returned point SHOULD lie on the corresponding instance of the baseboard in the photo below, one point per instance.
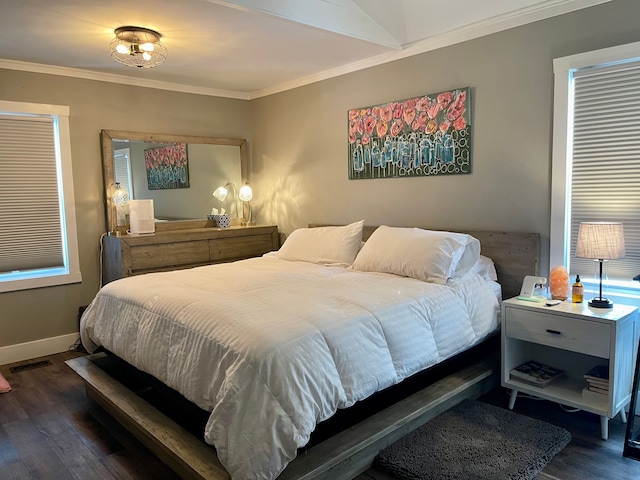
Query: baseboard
(37, 348)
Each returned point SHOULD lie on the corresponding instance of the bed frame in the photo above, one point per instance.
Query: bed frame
(350, 452)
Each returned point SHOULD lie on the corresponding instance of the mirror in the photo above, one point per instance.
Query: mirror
(179, 172)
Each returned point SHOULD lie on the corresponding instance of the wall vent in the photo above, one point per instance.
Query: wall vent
(30, 366)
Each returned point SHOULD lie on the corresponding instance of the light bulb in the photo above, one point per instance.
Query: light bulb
(147, 47)
(146, 56)
(122, 49)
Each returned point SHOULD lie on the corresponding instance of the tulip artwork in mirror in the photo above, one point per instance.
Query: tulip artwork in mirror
(167, 167)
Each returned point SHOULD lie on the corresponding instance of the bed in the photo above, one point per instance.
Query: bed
(273, 346)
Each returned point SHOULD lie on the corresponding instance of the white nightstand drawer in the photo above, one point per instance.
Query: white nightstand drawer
(577, 335)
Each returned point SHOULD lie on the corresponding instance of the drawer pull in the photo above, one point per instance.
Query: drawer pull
(555, 332)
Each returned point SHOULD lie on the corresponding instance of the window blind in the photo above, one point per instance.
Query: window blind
(605, 167)
(121, 170)
(30, 216)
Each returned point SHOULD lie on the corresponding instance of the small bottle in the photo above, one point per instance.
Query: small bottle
(577, 291)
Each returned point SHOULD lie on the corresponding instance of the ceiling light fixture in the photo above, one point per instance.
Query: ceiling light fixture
(138, 47)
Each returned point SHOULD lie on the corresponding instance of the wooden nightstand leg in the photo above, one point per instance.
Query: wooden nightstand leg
(623, 415)
(604, 427)
(512, 398)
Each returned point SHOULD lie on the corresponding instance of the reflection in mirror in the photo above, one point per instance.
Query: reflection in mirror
(179, 173)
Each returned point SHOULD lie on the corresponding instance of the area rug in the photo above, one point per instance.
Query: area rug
(474, 440)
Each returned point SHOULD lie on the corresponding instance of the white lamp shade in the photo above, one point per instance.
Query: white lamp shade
(600, 240)
(245, 194)
(220, 193)
(120, 196)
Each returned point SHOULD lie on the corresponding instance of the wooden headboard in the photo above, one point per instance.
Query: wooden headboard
(515, 255)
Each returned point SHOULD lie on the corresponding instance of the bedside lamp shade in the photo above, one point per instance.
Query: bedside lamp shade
(600, 241)
(246, 194)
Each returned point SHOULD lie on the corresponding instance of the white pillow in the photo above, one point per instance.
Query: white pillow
(323, 245)
(430, 256)
(485, 268)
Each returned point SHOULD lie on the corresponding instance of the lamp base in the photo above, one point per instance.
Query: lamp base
(601, 303)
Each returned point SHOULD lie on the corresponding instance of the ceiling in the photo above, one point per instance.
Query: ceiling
(249, 48)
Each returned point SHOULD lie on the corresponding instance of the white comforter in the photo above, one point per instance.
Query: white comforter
(272, 347)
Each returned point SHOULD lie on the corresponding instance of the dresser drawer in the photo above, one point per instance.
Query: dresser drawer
(224, 249)
(162, 255)
(583, 336)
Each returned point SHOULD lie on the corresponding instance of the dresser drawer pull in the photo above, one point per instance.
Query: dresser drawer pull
(555, 332)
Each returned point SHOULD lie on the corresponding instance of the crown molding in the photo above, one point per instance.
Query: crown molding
(121, 79)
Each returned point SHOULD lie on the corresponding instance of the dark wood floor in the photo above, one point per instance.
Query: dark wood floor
(47, 432)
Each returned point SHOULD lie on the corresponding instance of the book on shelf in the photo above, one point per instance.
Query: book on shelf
(535, 373)
(599, 372)
(598, 383)
(597, 389)
(594, 396)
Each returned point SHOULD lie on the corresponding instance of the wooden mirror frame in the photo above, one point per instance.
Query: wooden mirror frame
(107, 137)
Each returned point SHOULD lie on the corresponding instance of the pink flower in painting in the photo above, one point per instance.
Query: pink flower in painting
(460, 123)
(444, 99)
(432, 126)
(410, 104)
(433, 109)
(386, 112)
(359, 126)
(396, 127)
(382, 128)
(422, 104)
(375, 111)
(398, 110)
(353, 125)
(444, 126)
(422, 118)
(352, 137)
(408, 115)
(353, 114)
(369, 124)
(366, 139)
(457, 108)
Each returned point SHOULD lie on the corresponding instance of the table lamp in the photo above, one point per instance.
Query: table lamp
(119, 199)
(600, 241)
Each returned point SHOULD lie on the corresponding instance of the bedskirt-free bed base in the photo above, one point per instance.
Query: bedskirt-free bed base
(343, 455)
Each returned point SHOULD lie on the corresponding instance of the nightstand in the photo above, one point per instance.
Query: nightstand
(572, 337)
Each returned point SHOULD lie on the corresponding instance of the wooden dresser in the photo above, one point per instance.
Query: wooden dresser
(170, 250)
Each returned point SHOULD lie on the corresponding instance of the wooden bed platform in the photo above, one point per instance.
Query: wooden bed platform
(343, 456)
(349, 452)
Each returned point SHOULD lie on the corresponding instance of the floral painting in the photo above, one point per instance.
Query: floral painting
(422, 136)
(167, 167)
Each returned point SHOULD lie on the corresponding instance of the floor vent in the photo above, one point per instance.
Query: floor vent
(30, 366)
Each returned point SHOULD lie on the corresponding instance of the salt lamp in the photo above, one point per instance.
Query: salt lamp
(559, 283)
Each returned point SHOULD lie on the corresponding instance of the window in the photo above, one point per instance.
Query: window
(38, 240)
(596, 155)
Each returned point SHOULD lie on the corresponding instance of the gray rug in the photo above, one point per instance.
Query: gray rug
(474, 440)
